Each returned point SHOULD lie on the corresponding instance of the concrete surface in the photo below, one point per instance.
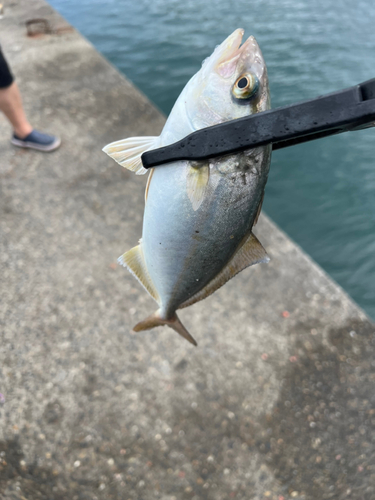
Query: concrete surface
(276, 402)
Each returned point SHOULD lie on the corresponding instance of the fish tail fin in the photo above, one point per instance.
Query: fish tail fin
(155, 319)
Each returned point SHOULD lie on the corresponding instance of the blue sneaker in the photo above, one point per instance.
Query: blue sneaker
(37, 140)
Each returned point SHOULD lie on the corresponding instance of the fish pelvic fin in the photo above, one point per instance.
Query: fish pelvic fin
(249, 253)
(128, 152)
(174, 322)
(152, 170)
(134, 261)
(196, 182)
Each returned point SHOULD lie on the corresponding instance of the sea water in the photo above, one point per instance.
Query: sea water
(321, 193)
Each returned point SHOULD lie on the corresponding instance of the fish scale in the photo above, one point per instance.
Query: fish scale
(226, 215)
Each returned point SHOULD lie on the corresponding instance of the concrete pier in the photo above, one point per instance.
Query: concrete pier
(276, 402)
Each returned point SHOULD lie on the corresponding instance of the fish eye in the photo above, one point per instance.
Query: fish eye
(245, 86)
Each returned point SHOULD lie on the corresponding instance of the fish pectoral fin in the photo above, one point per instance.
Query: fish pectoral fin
(134, 261)
(196, 182)
(128, 152)
(249, 253)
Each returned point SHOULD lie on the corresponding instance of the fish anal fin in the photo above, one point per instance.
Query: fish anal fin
(196, 182)
(134, 261)
(249, 253)
(259, 209)
(128, 152)
(174, 322)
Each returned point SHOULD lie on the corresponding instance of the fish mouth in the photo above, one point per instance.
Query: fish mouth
(230, 47)
(232, 53)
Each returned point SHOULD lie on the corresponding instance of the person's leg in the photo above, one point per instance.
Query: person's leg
(24, 135)
(11, 106)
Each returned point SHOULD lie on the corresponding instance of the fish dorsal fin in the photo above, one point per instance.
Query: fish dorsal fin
(197, 179)
(250, 252)
(259, 209)
(128, 152)
(134, 261)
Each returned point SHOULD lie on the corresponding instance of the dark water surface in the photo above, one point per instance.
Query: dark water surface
(323, 193)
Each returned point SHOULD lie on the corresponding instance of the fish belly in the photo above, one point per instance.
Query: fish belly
(184, 249)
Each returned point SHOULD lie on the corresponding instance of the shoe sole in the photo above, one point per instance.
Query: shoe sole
(39, 147)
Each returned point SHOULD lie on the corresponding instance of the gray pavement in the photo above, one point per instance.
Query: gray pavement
(276, 402)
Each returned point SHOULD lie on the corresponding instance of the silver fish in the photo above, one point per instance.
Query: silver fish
(199, 215)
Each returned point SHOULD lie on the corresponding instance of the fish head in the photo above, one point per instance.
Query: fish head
(232, 83)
